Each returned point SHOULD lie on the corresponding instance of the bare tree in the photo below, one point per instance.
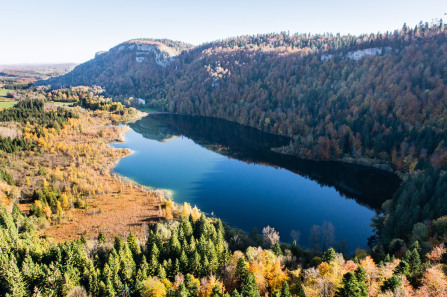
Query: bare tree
(270, 235)
(328, 231)
(314, 236)
(295, 234)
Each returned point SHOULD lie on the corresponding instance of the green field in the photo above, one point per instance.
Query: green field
(63, 103)
(3, 92)
(7, 104)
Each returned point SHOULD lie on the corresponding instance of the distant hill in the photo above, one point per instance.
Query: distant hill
(378, 96)
(124, 68)
(25, 73)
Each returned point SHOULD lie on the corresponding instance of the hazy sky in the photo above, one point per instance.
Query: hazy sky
(49, 31)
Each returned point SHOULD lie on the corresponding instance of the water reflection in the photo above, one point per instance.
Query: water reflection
(368, 186)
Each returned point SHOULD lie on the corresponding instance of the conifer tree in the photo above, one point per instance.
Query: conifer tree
(294, 249)
(191, 285)
(329, 255)
(184, 266)
(161, 272)
(142, 272)
(182, 291)
(285, 292)
(101, 237)
(153, 266)
(241, 271)
(362, 280)
(11, 280)
(134, 246)
(216, 292)
(250, 287)
(194, 264)
(276, 249)
(349, 287)
(174, 246)
(391, 284)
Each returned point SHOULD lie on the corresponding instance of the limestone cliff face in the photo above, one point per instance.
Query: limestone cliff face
(130, 64)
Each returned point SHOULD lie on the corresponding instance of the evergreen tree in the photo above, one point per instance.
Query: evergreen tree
(250, 287)
(362, 280)
(294, 249)
(182, 291)
(191, 285)
(216, 292)
(174, 246)
(153, 266)
(175, 268)
(195, 264)
(101, 237)
(11, 280)
(184, 266)
(285, 292)
(241, 271)
(350, 287)
(414, 260)
(134, 246)
(329, 255)
(403, 268)
(161, 272)
(391, 284)
(276, 249)
(142, 272)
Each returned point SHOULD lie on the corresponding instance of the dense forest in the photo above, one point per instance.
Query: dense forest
(378, 96)
(191, 257)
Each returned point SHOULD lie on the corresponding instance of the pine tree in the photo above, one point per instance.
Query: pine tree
(174, 246)
(414, 260)
(216, 292)
(191, 246)
(294, 249)
(403, 268)
(142, 272)
(153, 266)
(11, 280)
(241, 272)
(276, 249)
(362, 280)
(349, 287)
(285, 292)
(329, 255)
(191, 285)
(391, 284)
(195, 264)
(182, 291)
(184, 266)
(175, 268)
(161, 272)
(250, 287)
(134, 246)
(101, 237)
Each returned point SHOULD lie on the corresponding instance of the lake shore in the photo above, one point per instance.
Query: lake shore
(118, 205)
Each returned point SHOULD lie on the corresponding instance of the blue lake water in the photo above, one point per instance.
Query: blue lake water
(229, 171)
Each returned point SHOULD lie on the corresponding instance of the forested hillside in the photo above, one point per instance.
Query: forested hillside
(378, 96)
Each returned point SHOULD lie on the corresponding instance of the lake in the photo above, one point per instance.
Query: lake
(229, 171)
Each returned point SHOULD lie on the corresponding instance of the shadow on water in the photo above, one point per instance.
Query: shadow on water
(368, 186)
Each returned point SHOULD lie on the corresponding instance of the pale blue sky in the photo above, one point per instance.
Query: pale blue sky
(49, 31)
